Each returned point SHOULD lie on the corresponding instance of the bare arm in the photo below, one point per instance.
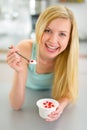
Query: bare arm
(64, 102)
(17, 92)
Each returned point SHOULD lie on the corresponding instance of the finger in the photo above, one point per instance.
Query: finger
(52, 119)
(10, 52)
(53, 115)
(15, 65)
(12, 49)
(12, 46)
(13, 55)
(13, 59)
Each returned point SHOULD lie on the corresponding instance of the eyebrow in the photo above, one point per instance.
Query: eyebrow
(63, 31)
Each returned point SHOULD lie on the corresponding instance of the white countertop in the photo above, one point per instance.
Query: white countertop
(73, 118)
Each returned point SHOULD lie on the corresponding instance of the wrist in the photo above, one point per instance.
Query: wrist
(64, 102)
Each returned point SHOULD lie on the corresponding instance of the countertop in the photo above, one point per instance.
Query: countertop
(74, 117)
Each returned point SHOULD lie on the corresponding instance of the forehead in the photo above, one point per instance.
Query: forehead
(60, 23)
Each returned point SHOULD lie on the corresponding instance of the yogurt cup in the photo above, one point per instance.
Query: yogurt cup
(46, 106)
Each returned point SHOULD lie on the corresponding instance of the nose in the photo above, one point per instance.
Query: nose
(54, 38)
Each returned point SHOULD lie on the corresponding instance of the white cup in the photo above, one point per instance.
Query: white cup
(46, 106)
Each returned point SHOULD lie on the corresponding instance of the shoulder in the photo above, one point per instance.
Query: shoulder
(25, 47)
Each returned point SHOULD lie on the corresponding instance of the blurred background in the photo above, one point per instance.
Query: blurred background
(17, 22)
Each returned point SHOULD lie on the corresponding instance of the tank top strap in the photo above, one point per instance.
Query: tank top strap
(34, 51)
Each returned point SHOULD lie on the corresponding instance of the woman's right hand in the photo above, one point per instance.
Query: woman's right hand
(14, 60)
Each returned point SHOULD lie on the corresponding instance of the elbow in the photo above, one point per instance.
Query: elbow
(15, 107)
(16, 104)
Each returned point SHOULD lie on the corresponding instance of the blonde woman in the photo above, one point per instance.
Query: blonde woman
(56, 52)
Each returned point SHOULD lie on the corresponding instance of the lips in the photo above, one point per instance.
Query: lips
(51, 48)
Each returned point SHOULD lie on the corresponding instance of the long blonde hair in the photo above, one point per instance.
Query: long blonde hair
(66, 66)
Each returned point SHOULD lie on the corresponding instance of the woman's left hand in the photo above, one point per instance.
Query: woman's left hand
(56, 114)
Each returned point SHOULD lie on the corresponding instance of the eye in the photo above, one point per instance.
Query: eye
(47, 30)
(62, 34)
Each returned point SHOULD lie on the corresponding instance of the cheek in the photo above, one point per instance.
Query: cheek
(66, 42)
(45, 37)
(64, 45)
(43, 40)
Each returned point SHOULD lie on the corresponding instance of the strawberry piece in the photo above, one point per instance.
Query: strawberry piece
(53, 105)
(31, 60)
(44, 103)
(48, 104)
(45, 106)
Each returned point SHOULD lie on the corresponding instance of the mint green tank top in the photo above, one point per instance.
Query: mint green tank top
(35, 80)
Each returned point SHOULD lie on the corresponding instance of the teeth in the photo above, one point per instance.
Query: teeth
(53, 48)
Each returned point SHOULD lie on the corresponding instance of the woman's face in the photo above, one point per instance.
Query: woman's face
(55, 37)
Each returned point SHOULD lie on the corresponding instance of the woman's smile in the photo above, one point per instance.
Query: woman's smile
(51, 48)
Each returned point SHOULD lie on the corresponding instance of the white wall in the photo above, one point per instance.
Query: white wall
(80, 11)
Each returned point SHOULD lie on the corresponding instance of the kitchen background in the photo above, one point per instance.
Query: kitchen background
(18, 17)
(17, 22)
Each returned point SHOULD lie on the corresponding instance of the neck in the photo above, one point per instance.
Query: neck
(45, 60)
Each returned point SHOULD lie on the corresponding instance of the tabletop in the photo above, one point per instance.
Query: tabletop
(74, 117)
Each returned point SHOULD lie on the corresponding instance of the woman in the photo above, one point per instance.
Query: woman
(56, 52)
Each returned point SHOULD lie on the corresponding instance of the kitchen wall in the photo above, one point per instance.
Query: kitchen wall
(16, 23)
(80, 11)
